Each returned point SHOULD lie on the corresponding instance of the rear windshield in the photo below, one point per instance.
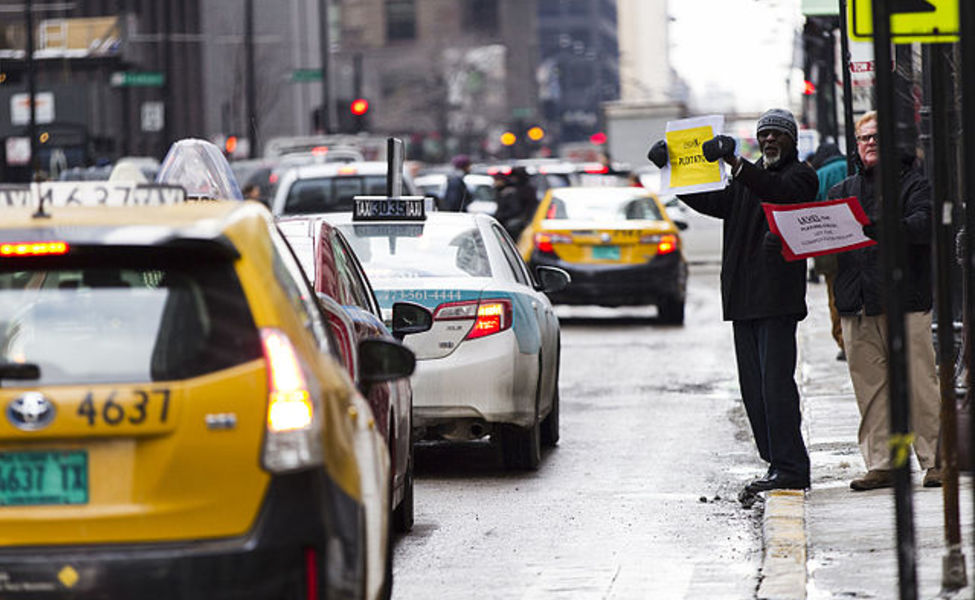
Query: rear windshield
(331, 194)
(418, 250)
(92, 322)
(598, 208)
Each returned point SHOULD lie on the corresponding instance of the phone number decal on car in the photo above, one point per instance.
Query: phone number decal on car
(390, 296)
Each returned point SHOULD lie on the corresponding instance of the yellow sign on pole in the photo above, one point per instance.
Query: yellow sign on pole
(923, 21)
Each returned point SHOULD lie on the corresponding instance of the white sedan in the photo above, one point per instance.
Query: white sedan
(490, 363)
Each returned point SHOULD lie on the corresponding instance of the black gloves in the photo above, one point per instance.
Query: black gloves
(871, 230)
(772, 244)
(658, 154)
(720, 146)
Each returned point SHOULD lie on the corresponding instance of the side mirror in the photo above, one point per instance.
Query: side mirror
(681, 225)
(551, 279)
(410, 318)
(383, 360)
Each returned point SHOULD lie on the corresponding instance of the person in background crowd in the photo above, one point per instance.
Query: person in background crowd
(859, 299)
(762, 295)
(830, 165)
(456, 197)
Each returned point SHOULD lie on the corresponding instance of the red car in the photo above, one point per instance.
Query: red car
(355, 317)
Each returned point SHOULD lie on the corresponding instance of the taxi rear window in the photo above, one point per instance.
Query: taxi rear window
(418, 250)
(92, 321)
(331, 194)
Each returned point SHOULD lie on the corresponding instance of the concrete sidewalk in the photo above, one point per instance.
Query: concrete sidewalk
(831, 542)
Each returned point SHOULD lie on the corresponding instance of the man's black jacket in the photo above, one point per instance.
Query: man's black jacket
(756, 284)
(859, 277)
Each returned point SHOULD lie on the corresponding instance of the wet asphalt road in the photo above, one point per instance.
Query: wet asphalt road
(639, 498)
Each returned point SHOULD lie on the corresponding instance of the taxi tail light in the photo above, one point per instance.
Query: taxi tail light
(489, 316)
(666, 243)
(34, 249)
(544, 241)
(293, 424)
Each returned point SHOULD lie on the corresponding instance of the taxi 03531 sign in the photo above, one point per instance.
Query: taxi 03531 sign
(384, 208)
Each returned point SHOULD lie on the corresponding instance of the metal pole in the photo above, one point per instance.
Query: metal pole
(251, 90)
(892, 254)
(967, 22)
(328, 110)
(167, 90)
(953, 574)
(31, 90)
(851, 144)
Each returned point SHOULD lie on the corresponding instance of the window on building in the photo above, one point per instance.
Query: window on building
(577, 7)
(481, 16)
(400, 20)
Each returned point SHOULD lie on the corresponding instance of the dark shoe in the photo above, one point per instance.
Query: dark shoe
(841, 355)
(874, 479)
(777, 481)
(932, 478)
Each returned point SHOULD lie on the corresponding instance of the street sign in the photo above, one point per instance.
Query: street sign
(153, 116)
(43, 108)
(137, 79)
(924, 21)
(305, 75)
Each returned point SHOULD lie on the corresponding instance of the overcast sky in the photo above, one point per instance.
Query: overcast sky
(742, 46)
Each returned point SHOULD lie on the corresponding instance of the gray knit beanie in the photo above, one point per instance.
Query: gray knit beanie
(778, 119)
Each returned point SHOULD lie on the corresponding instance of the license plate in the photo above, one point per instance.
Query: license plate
(606, 252)
(43, 477)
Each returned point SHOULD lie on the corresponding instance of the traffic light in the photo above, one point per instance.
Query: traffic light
(360, 110)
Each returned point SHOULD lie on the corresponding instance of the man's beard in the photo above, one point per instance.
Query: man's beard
(771, 161)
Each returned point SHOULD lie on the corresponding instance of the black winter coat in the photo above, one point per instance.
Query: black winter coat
(754, 283)
(859, 278)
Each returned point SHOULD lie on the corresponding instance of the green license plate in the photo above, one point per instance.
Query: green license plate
(35, 478)
(606, 252)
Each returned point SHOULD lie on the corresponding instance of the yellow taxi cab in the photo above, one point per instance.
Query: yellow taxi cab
(618, 245)
(174, 423)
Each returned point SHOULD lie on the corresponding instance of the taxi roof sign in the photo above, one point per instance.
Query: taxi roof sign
(50, 194)
(386, 208)
(923, 21)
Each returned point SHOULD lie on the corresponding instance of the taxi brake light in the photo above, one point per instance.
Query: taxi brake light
(597, 169)
(34, 249)
(319, 151)
(666, 243)
(493, 316)
(544, 241)
(289, 403)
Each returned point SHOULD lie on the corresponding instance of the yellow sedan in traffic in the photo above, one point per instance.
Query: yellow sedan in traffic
(618, 245)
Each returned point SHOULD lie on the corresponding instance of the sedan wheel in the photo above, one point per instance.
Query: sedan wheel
(403, 514)
(521, 447)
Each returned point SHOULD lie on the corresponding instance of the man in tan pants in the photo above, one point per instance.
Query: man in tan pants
(858, 288)
(865, 339)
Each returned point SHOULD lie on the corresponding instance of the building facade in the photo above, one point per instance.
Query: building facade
(579, 68)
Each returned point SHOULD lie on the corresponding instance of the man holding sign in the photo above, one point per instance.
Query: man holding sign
(763, 295)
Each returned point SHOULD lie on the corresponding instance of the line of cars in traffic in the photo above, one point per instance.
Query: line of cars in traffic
(214, 400)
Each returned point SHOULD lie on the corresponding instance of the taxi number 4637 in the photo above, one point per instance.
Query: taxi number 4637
(137, 409)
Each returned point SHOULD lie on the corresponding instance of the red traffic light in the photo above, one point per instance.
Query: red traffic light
(598, 138)
(359, 107)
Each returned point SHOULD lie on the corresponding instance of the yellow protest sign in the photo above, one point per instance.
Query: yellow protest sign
(687, 170)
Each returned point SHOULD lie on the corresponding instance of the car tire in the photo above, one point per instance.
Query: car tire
(404, 513)
(550, 425)
(671, 311)
(521, 447)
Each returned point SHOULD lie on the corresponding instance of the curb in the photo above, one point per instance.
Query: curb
(784, 558)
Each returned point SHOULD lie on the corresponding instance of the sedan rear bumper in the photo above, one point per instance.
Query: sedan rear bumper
(302, 511)
(484, 380)
(662, 279)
